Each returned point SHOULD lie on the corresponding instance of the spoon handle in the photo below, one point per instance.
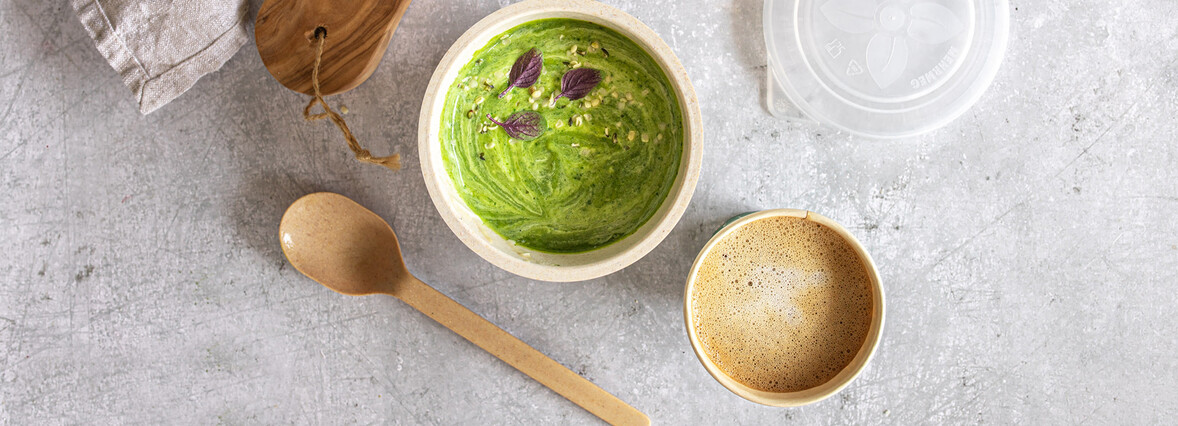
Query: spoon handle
(516, 353)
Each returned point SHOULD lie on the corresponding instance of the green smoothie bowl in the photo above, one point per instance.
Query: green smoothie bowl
(560, 140)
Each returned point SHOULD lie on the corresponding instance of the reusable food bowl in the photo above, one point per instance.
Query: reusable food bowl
(487, 243)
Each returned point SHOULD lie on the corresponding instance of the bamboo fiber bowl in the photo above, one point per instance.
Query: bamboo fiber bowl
(840, 380)
(470, 228)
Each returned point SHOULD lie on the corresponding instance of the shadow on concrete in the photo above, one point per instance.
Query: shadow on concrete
(660, 275)
(750, 39)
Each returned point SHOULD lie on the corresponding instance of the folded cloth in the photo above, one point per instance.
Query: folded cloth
(161, 48)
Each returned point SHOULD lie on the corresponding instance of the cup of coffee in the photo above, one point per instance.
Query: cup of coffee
(783, 307)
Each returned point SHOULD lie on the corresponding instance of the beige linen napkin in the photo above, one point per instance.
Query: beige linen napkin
(161, 47)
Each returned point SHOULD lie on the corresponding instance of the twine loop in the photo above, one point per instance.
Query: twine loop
(393, 162)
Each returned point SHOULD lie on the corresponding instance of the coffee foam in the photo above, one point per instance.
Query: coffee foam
(782, 304)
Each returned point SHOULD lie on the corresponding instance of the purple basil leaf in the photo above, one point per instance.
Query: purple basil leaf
(523, 125)
(526, 70)
(578, 82)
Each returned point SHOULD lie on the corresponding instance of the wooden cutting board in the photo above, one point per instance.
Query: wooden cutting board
(357, 31)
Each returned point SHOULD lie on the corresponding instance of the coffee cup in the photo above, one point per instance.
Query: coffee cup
(784, 307)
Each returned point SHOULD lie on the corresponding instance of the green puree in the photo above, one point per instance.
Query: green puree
(606, 161)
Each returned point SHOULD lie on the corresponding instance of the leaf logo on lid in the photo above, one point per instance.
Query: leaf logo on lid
(892, 24)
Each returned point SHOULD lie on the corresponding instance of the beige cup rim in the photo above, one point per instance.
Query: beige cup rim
(844, 377)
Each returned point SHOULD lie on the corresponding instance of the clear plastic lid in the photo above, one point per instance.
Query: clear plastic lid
(882, 68)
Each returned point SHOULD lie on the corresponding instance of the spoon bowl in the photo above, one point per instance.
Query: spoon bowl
(342, 245)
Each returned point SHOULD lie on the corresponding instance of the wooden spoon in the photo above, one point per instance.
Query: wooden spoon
(351, 250)
(358, 33)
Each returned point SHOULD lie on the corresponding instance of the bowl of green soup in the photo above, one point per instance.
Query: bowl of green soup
(560, 140)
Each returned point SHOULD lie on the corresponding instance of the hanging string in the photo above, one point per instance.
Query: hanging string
(393, 162)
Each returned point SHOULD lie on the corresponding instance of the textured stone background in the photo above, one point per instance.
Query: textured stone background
(1029, 249)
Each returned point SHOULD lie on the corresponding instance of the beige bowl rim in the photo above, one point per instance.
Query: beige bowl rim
(492, 247)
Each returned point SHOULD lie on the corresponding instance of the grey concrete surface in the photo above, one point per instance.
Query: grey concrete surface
(1029, 249)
